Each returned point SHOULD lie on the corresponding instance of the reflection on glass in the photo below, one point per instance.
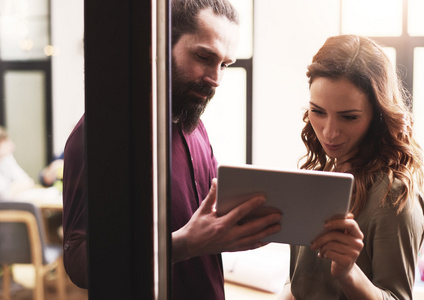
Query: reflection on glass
(245, 9)
(225, 118)
(418, 101)
(372, 17)
(415, 17)
(25, 118)
(24, 29)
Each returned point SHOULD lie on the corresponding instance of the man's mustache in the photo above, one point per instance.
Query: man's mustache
(201, 88)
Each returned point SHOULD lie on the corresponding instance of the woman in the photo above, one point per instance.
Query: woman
(357, 122)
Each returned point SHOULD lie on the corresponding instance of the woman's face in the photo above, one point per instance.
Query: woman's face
(340, 115)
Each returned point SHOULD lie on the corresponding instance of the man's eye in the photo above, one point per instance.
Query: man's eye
(201, 57)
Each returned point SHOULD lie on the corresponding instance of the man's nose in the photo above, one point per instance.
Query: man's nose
(213, 76)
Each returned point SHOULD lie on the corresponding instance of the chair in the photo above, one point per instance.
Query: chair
(22, 241)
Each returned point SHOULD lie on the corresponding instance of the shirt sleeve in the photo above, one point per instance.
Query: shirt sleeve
(75, 208)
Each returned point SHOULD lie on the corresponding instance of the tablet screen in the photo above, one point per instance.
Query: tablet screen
(305, 198)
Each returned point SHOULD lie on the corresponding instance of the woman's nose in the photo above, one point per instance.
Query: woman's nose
(331, 130)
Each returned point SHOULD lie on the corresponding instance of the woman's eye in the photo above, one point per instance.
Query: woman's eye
(317, 112)
(350, 118)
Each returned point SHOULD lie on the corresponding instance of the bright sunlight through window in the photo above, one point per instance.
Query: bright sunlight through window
(372, 17)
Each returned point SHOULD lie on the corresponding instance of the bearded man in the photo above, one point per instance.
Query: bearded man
(204, 43)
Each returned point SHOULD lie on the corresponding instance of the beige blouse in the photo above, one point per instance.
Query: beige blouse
(388, 259)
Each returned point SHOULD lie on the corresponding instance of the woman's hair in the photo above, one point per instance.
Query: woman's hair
(389, 147)
(184, 14)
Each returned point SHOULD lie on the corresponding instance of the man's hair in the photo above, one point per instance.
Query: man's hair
(184, 14)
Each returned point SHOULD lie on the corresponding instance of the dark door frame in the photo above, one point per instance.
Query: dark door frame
(119, 148)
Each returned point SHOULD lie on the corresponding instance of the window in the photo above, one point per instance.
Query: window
(415, 18)
(365, 17)
(228, 117)
(418, 107)
(400, 28)
(25, 60)
(225, 118)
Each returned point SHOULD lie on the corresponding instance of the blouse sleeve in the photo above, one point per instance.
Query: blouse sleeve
(393, 244)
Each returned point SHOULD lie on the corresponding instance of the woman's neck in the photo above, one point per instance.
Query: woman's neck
(341, 167)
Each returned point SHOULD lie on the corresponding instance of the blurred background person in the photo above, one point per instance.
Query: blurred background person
(13, 179)
(52, 174)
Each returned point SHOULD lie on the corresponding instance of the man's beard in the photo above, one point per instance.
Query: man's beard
(186, 107)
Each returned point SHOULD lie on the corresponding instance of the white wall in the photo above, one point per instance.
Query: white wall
(287, 34)
(67, 68)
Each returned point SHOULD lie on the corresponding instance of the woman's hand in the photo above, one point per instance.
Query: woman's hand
(342, 243)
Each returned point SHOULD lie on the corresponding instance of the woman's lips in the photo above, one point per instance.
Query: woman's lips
(333, 147)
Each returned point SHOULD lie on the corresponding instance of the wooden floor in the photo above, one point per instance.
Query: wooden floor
(233, 291)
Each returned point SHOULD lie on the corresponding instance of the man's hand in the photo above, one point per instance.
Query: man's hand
(208, 233)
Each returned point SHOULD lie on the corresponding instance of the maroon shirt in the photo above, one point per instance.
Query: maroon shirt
(193, 168)
(75, 208)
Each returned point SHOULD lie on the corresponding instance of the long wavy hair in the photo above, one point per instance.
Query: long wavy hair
(389, 148)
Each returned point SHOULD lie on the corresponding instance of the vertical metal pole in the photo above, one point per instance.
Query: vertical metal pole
(163, 144)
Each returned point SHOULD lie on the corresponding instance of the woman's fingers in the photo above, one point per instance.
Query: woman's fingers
(347, 226)
(341, 231)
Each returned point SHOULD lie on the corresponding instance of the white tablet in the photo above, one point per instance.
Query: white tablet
(305, 198)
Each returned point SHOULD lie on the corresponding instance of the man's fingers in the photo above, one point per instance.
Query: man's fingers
(209, 202)
(241, 211)
(249, 239)
(254, 231)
